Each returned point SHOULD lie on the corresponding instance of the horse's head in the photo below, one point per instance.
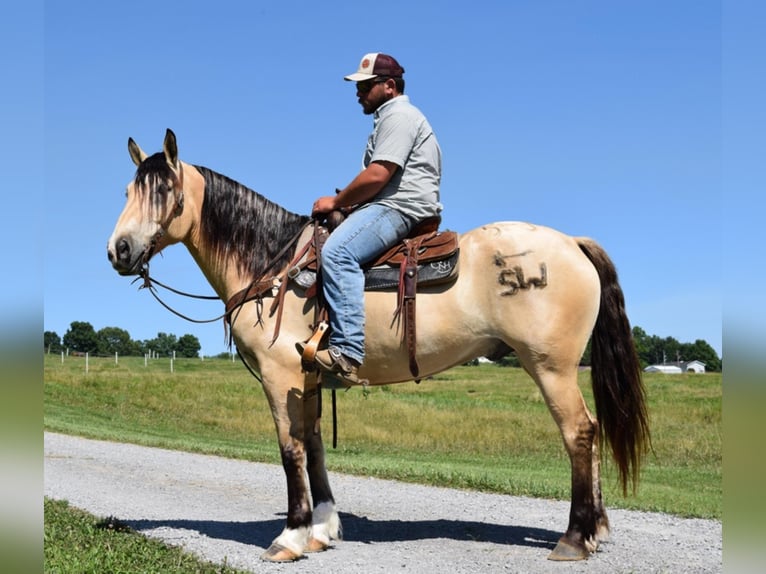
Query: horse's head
(151, 218)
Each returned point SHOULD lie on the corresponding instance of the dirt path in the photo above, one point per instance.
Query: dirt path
(228, 510)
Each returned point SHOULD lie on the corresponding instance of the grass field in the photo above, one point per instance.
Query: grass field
(483, 427)
(77, 542)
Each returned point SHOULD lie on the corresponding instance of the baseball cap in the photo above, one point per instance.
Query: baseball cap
(376, 64)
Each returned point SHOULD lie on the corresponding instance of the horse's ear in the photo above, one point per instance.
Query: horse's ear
(171, 149)
(136, 153)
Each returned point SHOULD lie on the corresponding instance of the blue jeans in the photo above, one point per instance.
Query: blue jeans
(366, 233)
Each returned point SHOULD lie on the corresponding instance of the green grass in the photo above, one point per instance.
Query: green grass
(76, 542)
(484, 428)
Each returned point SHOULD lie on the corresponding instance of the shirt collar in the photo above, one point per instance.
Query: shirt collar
(386, 105)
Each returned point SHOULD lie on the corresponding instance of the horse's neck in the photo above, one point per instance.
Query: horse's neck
(223, 276)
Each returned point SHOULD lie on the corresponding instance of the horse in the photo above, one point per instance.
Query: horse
(520, 287)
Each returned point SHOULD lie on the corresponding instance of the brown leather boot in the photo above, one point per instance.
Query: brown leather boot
(333, 361)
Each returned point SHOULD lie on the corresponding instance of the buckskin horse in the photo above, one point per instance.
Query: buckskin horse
(239, 238)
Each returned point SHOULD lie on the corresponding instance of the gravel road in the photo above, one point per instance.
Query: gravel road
(229, 511)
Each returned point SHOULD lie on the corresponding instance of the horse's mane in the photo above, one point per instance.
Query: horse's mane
(240, 223)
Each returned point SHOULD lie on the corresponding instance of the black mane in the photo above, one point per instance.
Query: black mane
(237, 221)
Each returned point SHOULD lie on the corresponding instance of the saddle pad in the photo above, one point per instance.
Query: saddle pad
(432, 273)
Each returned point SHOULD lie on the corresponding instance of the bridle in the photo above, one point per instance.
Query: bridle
(149, 282)
(178, 208)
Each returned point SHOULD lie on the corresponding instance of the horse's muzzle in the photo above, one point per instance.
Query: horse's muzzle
(124, 257)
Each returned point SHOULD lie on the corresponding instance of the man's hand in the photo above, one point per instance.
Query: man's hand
(324, 204)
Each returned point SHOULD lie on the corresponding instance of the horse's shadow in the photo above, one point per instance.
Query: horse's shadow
(361, 529)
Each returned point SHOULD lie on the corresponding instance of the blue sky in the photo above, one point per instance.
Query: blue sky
(597, 118)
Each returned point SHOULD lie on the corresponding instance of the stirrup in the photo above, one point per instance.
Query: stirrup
(308, 350)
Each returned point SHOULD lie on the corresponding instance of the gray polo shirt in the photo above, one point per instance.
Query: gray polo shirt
(402, 135)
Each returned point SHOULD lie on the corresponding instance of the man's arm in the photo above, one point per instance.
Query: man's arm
(363, 188)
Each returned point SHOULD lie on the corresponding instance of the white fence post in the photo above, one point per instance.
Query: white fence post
(86, 363)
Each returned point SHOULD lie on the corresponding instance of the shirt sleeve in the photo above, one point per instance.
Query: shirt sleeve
(395, 139)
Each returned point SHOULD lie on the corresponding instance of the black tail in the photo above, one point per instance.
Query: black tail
(616, 374)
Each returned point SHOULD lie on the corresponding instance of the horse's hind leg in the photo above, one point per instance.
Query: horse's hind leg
(579, 430)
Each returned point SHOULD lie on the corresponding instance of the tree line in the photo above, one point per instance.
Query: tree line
(654, 350)
(81, 337)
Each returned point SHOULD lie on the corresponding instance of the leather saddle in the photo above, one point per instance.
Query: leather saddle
(426, 256)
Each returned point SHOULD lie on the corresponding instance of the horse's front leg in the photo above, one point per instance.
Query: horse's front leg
(293, 540)
(295, 411)
(326, 523)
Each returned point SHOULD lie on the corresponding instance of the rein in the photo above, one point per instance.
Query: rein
(150, 282)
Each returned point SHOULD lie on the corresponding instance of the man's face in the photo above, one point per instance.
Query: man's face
(374, 93)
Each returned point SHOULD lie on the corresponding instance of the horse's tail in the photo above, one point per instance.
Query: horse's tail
(616, 374)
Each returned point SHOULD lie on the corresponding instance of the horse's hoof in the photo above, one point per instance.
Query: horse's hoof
(315, 545)
(566, 551)
(278, 553)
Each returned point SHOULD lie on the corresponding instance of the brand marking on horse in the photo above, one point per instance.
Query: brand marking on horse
(514, 278)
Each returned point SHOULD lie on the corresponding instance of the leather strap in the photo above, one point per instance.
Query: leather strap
(277, 305)
(407, 293)
(254, 291)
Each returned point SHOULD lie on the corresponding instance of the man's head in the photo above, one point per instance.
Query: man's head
(378, 79)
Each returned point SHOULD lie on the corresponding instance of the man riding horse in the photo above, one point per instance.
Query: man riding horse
(397, 189)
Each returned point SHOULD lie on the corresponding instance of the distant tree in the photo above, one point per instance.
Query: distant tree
(142, 347)
(113, 340)
(51, 342)
(163, 345)
(509, 360)
(188, 346)
(701, 351)
(672, 350)
(658, 350)
(642, 343)
(81, 337)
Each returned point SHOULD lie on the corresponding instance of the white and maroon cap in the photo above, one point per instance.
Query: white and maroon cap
(374, 65)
